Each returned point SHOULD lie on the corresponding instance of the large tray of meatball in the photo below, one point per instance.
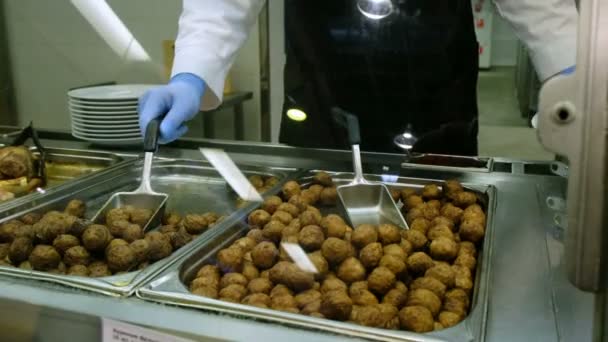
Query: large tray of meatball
(53, 239)
(377, 282)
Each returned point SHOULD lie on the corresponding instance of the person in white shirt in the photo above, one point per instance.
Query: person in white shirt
(415, 68)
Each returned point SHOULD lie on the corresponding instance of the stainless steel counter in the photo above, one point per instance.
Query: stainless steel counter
(530, 298)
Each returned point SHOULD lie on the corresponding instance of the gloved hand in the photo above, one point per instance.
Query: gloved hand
(567, 71)
(177, 102)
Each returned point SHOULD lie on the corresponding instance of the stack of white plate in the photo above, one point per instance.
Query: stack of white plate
(107, 115)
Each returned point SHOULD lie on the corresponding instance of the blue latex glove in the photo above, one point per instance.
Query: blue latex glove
(180, 100)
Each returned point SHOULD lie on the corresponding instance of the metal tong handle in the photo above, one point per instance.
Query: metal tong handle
(150, 147)
(351, 123)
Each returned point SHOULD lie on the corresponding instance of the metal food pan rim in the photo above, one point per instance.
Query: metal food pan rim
(481, 285)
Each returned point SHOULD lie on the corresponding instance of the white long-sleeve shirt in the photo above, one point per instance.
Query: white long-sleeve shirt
(212, 31)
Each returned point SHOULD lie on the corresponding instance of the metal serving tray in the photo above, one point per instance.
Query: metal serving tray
(170, 287)
(192, 186)
(455, 163)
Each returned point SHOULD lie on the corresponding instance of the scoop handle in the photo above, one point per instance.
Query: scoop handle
(151, 137)
(350, 122)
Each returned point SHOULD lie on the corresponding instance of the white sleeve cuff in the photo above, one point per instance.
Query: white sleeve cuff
(551, 58)
(199, 61)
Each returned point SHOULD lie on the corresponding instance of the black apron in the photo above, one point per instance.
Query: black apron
(416, 68)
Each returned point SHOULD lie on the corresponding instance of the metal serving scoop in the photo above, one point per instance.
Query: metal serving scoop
(144, 197)
(363, 201)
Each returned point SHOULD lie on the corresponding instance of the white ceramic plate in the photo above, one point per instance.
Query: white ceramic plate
(103, 131)
(104, 113)
(107, 118)
(85, 125)
(87, 108)
(106, 135)
(105, 104)
(111, 92)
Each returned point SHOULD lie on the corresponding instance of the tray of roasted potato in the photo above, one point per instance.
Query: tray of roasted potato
(378, 282)
(53, 239)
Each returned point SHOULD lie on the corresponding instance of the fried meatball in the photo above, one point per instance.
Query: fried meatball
(449, 319)
(20, 249)
(320, 264)
(310, 196)
(291, 230)
(440, 231)
(233, 278)
(264, 255)
(462, 279)
(117, 214)
(76, 255)
(233, 293)
(431, 192)
(290, 189)
(419, 262)
(406, 246)
(364, 297)
(381, 280)
(30, 218)
(395, 297)
(316, 189)
(434, 204)
(407, 192)
(195, 224)
(395, 194)
(371, 254)
(471, 231)
(260, 285)
(258, 218)
(416, 238)
(178, 239)
(287, 273)
(24, 231)
(78, 270)
(420, 224)
(289, 208)
(395, 250)
(451, 212)
(141, 216)
(230, 260)
(457, 301)
(280, 290)
(394, 263)
(96, 237)
(389, 234)
(75, 208)
(171, 218)
(442, 221)
(121, 258)
(141, 248)
(429, 283)
(249, 270)
(256, 180)
(443, 248)
(416, 318)
(357, 287)
(44, 258)
(206, 291)
(333, 284)
(282, 217)
(310, 217)
(209, 271)
(415, 213)
(329, 196)
(204, 282)
(246, 244)
(64, 241)
(335, 250)
(116, 227)
(311, 238)
(322, 178)
(312, 309)
(47, 229)
(307, 297)
(368, 316)
(443, 273)
(336, 305)
(464, 199)
(4, 249)
(363, 235)
(412, 202)
(451, 188)
(389, 316)
(273, 231)
(426, 298)
(467, 247)
(259, 300)
(285, 302)
(257, 235)
(466, 260)
(299, 202)
(271, 204)
(429, 212)
(351, 270)
(160, 246)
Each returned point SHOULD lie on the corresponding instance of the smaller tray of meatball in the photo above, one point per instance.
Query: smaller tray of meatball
(378, 282)
(53, 239)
